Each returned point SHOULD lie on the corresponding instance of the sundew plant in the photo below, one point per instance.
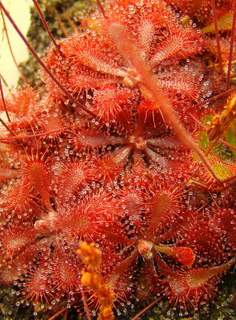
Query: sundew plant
(118, 171)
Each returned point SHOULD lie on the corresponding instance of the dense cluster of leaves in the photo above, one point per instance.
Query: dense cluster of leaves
(118, 174)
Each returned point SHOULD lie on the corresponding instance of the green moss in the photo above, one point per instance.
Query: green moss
(11, 308)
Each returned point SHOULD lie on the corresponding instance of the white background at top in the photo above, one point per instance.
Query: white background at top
(20, 11)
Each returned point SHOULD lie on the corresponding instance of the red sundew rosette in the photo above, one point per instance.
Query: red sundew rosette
(207, 242)
(196, 286)
(95, 62)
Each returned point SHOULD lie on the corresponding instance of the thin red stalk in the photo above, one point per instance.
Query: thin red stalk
(216, 97)
(39, 60)
(125, 264)
(57, 314)
(66, 315)
(10, 48)
(220, 139)
(217, 36)
(131, 53)
(228, 144)
(31, 48)
(231, 45)
(45, 25)
(230, 181)
(143, 311)
(4, 81)
(85, 304)
(100, 6)
(3, 100)
(220, 95)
